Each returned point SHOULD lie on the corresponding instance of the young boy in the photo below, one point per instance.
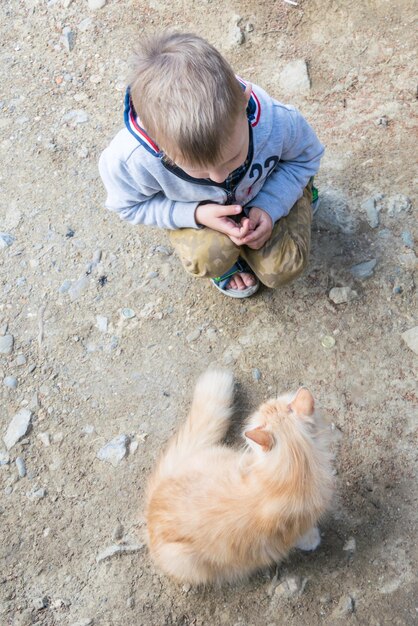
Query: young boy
(216, 161)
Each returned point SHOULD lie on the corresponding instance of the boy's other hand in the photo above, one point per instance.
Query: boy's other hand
(220, 217)
(260, 226)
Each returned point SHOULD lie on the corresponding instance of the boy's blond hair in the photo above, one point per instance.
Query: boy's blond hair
(186, 96)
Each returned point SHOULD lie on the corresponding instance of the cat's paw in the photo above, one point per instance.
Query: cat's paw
(310, 540)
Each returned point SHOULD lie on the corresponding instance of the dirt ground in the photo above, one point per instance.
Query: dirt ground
(88, 374)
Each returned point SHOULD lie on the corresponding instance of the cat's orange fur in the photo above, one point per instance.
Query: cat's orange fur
(216, 514)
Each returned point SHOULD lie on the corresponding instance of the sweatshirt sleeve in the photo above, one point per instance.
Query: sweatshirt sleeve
(299, 160)
(141, 202)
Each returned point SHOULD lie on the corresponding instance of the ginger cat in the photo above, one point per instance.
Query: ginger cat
(215, 514)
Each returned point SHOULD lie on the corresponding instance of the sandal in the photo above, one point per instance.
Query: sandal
(221, 281)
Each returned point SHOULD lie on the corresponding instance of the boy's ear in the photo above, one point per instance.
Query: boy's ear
(247, 92)
(303, 403)
(264, 438)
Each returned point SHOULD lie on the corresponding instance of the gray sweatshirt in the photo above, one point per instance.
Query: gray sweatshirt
(143, 189)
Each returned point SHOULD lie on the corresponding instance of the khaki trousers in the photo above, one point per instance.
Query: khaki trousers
(207, 253)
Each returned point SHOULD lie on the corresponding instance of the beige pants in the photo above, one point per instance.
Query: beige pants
(207, 253)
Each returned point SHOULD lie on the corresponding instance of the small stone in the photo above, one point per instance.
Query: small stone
(6, 240)
(256, 374)
(334, 213)
(101, 323)
(407, 239)
(10, 381)
(6, 344)
(193, 336)
(399, 203)
(410, 337)
(294, 77)
(18, 428)
(128, 313)
(76, 116)
(45, 438)
(94, 5)
(290, 587)
(20, 359)
(21, 466)
(67, 38)
(78, 287)
(117, 533)
(345, 606)
(36, 494)
(163, 250)
(114, 451)
(133, 447)
(328, 342)
(66, 3)
(65, 286)
(40, 603)
(350, 545)
(340, 295)
(236, 36)
(372, 208)
(130, 602)
(83, 26)
(88, 429)
(186, 588)
(8, 490)
(363, 270)
(4, 458)
(83, 622)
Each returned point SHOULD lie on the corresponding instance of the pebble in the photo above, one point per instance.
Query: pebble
(130, 602)
(83, 622)
(127, 313)
(340, 295)
(4, 458)
(65, 286)
(6, 240)
(328, 342)
(399, 203)
(78, 287)
(193, 336)
(10, 381)
(334, 213)
(66, 3)
(408, 239)
(114, 451)
(40, 603)
(256, 374)
(133, 447)
(18, 428)
(83, 26)
(345, 606)
(36, 494)
(350, 545)
(114, 549)
(20, 359)
(290, 587)
(76, 116)
(94, 5)
(6, 344)
(236, 36)
(68, 38)
(21, 466)
(294, 77)
(410, 337)
(117, 533)
(363, 270)
(101, 323)
(45, 438)
(163, 250)
(372, 207)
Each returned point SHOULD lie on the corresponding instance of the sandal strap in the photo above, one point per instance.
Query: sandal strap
(239, 266)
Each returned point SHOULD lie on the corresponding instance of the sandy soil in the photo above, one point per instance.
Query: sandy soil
(87, 380)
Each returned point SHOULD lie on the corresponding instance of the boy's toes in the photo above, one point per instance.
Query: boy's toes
(241, 281)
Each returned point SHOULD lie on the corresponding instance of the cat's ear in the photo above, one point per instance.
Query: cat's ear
(303, 403)
(263, 437)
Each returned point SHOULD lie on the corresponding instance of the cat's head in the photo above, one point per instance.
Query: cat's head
(276, 417)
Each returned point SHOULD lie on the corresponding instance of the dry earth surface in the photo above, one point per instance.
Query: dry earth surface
(85, 373)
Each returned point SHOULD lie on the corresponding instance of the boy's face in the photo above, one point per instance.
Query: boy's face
(234, 153)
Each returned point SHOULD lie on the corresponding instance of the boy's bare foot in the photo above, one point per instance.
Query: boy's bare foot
(241, 281)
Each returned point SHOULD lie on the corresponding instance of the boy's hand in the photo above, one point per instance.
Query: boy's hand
(218, 217)
(260, 226)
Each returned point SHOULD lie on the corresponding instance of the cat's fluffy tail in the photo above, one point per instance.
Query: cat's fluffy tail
(209, 415)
